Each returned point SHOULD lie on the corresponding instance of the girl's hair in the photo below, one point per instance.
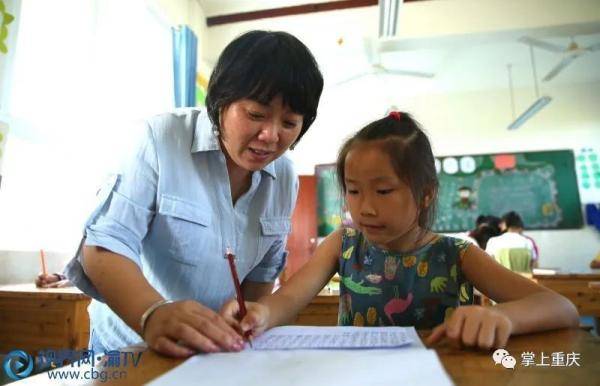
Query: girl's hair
(260, 65)
(410, 153)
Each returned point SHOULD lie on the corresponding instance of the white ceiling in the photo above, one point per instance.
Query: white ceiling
(461, 63)
(470, 67)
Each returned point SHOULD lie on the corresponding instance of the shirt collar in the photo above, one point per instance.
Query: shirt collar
(206, 139)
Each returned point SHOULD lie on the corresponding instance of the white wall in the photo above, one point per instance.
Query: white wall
(460, 123)
(473, 123)
(70, 129)
(23, 266)
(186, 12)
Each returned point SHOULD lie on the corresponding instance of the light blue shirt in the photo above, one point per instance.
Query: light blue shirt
(170, 211)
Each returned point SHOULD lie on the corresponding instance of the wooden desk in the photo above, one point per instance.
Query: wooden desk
(33, 318)
(575, 286)
(321, 311)
(465, 367)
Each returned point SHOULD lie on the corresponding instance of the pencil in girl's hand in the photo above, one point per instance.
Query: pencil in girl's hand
(43, 260)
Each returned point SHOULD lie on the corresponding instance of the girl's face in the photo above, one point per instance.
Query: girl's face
(254, 134)
(381, 204)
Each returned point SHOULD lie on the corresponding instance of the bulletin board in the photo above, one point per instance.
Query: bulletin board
(541, 186)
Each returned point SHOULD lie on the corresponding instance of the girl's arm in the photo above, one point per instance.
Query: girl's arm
(282, 306)
(529, 306)
(254, 290)
(524, 306)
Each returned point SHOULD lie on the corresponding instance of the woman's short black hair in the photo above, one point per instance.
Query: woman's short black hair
(260, 65)
(411, 157)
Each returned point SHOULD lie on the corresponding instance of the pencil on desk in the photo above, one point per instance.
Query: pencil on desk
(238, 291)
(43, 260)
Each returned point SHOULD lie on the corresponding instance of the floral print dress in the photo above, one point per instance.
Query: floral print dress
(420, 288)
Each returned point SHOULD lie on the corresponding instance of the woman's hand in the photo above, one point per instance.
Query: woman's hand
(51, 281)
(256, 320)
(180, 329)
(474, 326)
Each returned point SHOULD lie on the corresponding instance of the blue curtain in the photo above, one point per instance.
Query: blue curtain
(185, 46)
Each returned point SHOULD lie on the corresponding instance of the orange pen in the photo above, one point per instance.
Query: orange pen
(43, 261)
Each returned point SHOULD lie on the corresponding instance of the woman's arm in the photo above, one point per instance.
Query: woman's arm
(174, 329)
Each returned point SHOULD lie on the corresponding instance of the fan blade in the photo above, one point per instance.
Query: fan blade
(543, 45)
(559, 67)
(352, 78)
(594, 47)
(417, 74)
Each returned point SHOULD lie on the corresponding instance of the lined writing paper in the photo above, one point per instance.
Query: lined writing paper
(307, 337)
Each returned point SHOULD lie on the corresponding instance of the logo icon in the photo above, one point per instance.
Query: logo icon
(18, 364)
(503, 357)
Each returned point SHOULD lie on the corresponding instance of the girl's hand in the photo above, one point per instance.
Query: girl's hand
(474, 326)
(181, 328)
(256, 320)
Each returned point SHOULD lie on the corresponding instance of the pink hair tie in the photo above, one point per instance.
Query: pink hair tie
(395, 115)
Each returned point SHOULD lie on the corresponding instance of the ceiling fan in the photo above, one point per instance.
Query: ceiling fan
(388, 17)
(572, 52)
(375, 67)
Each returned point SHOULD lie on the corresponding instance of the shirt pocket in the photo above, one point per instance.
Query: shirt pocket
(185, 229)
(271, 230)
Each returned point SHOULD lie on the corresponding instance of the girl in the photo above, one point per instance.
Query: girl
(393, 269)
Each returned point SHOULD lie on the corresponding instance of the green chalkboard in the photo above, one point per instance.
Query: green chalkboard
(540, 186)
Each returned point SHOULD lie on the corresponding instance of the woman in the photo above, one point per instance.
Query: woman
(201, 181)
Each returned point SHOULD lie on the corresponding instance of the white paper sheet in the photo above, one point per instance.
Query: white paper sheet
(308, 337)
(408, 365)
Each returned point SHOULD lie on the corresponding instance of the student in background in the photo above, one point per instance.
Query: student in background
(512, 219)
(201, 181)
(393, 269)
(512, 227)
(486, 227)
(483, 233)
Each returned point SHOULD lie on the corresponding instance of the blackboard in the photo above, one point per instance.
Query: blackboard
(540, 186)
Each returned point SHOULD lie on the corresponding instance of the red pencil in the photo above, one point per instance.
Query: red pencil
(238, 290)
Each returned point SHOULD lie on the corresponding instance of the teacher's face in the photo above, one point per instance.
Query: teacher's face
(254, 134)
